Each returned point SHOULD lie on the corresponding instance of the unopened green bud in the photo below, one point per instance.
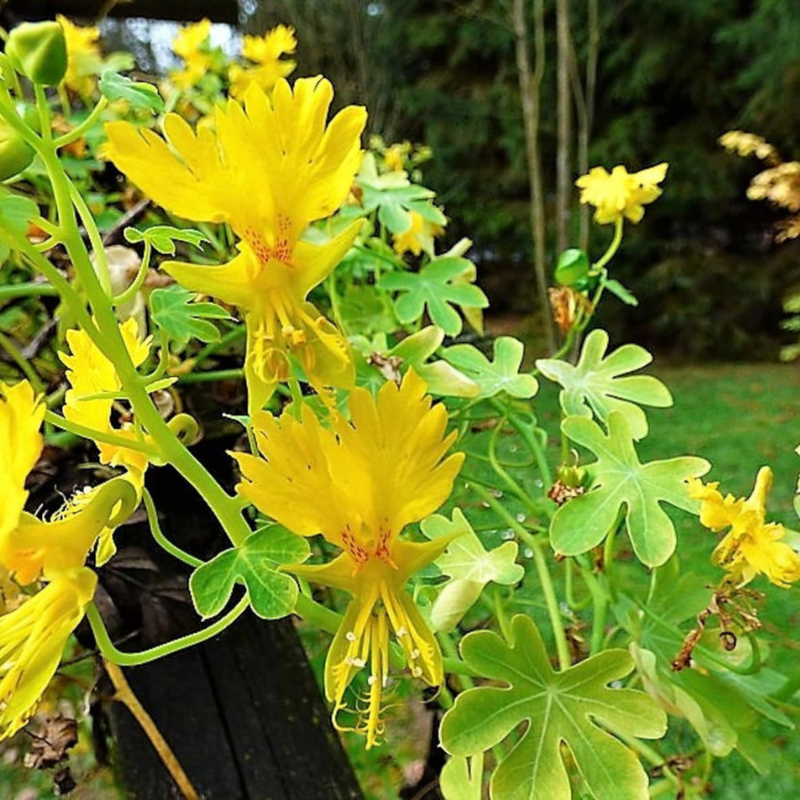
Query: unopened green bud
(15, 152)
(38, 50)
(571, 475)
(573, 266)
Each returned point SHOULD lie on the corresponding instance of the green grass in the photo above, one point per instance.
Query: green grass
(739, 417)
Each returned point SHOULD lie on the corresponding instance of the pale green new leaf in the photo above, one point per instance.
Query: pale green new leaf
(470, 567)
(163, 237)
(16, 211)
(435, 286)
(618, 480)
(174, 311)
(594, 385)
(499, 375)
(141, 96)
(272, 594)
(569, 706)
(462, 778)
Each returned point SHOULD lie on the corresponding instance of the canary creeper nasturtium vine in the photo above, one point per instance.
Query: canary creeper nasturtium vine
(620, 484)
(302, 278)
(575, 707)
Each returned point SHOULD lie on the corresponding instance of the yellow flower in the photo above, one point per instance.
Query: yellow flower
(418, 237)
(32, 640)
(83, 53)
(271, 168)
(29, 547)
(620, 193)
(89, 372)
(747, 144)
(265, 51)
(394, 157)
(752, 546)
(190, 38)
(359, 483)
(188, 45)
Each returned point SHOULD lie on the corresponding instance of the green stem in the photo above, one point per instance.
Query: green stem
(548, 590)
(98, 248)
(612, 248)
(22, 363)
(84, 126)
(529, 437)
(213, 375)
(537, 545)
(110, 652)
(99, 436)
(158, 535)
(141, 276)
(28, 289)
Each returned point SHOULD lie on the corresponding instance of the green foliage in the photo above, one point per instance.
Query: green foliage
(461, 780)
(619, 480)
(142, 96)
(163, 237)
(435, 287)
(176, 313)
(594, 385)
(470, 567)
(557, 706)
(393, 197)
(272, 594)
(501, 374)
(572, 267)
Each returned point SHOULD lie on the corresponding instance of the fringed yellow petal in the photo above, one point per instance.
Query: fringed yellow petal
(35, 548)
(619, 193)
(21, 415)
(89, 373)
(32, 641)
(752, 546)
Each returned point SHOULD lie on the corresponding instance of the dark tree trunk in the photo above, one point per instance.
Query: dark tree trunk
(244, 717)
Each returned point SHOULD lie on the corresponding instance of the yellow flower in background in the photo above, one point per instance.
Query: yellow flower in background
(619, 193)
(748, 144)
(418, 238)
(359, 483)
(187, 44)
(83, 53)
(190, 38)
(30, 548)
(272, 167)
(752, 546)
(89, 372)
(32, 641)
(394, 157)
(266, 53)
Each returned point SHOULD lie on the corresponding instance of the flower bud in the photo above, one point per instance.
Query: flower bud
(15, 152)
(38, 50)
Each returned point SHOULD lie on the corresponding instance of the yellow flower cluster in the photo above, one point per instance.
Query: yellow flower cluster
(268, 65)
(751, 546)
(83, 53)
(619, 193)
(189, 45)
(748, 144)
(273, 166)
(359, 482)
(34, 634)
